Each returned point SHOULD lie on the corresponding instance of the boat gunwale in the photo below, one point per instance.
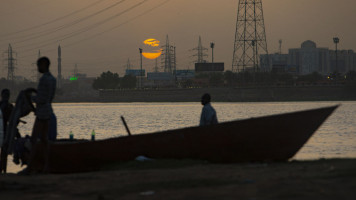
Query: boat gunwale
(81, 141)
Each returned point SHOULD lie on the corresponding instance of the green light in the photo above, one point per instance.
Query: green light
(75, 78)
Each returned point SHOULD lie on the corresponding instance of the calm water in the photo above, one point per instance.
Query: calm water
(335, 139)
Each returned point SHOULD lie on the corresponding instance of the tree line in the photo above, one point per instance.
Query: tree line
(109, 80)
(230, 78)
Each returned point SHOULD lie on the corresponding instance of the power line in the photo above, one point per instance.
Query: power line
(108, 30)
(46, 32)
(70, 35)
(11, 12)
(118, 26)
(54, 20)
(105, 20)
(96, 35)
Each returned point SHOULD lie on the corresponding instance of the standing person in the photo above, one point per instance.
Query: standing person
(208, 114)
(45, 94)
(6, 108)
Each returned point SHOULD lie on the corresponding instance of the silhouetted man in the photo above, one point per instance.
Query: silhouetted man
(208, 115)
(6, 109)
(45, 94)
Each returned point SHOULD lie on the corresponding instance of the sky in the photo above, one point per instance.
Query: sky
(101, 35)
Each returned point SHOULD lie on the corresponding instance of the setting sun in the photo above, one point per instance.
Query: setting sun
(152, 50)
(151, 42)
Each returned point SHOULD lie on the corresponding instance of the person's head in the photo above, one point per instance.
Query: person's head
(43, 64)
(205, 99)
(5, 94)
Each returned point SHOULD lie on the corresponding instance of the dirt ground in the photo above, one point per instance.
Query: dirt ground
(193, 180)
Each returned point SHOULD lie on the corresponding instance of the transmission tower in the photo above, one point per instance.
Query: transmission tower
(250, 36)
(75, 71)
(11, 62)
(200, 52)
(128, 65)
(169, 57)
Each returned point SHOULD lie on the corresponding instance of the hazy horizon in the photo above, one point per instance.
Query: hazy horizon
(44, 24)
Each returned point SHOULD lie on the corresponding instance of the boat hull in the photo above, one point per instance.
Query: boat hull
(271, 138)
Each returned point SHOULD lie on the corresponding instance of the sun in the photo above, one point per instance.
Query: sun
(151, 42)
(152, 49)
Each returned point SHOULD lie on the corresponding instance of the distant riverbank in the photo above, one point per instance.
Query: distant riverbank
(242, 94)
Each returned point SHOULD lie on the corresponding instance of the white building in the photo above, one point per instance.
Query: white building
(309, 59)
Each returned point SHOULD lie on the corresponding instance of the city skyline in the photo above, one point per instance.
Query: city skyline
(26, 27)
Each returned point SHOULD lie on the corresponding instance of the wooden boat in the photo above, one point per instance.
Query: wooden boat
(271, 138)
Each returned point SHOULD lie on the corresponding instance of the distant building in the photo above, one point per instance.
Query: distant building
(184, 74)
(135, 72)
(346, 61)
(81, 76)
(277, 62)
(160, 79)
(309, 59)
(209, 67)
(160, 76)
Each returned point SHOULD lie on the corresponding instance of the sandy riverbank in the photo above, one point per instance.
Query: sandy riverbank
(324, 179)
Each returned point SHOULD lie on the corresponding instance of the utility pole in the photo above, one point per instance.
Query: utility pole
(212, 45)
(140, 81)
(336, 41)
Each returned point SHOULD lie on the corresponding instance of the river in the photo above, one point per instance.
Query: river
(335, 139)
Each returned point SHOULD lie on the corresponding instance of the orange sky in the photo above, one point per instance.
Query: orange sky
(293, 21)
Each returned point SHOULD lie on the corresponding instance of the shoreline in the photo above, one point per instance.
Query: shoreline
(255, 94)
(148, 102)
(187, 179)
(219, 94)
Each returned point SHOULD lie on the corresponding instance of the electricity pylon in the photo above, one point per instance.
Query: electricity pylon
(11, 62)
(250, 37)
